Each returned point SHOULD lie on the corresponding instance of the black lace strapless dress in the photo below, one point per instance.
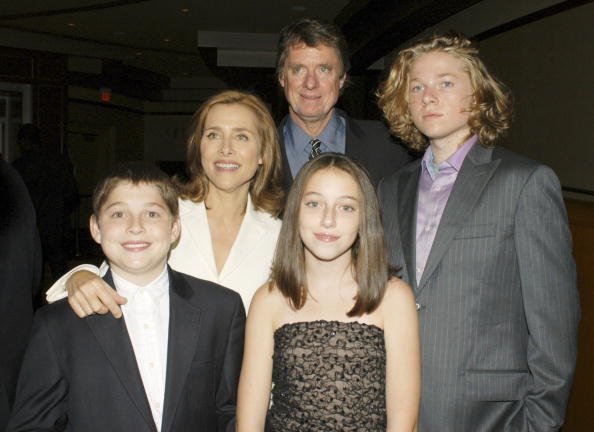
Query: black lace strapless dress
(328, 376)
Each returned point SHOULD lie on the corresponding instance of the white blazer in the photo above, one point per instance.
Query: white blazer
(248, 264)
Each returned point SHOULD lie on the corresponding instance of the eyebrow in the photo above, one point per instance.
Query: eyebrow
(235, 129)
(123, 203)
(340, 197)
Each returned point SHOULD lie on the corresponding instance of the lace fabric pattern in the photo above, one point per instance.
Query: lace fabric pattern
(328, 376)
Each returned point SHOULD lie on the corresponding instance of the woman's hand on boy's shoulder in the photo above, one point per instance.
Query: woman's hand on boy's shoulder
(89, 294)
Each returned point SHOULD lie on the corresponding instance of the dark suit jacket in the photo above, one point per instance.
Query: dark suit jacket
(20, 273)
(83, 371)
(499, 306)
(367, 142)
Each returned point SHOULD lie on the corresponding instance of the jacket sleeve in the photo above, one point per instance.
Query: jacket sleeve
(226, 395)
(42, 389)
(551, 300)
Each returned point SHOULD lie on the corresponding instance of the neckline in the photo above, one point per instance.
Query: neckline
(322, 322)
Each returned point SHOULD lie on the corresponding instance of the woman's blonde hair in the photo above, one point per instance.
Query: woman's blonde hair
(265, 188)
(491, 108)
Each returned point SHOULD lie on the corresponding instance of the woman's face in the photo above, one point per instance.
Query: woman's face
(329, 215)
(230, 147)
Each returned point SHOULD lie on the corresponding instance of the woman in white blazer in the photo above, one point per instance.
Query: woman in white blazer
(228, 208)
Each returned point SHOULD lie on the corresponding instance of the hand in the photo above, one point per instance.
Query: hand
(89, 294)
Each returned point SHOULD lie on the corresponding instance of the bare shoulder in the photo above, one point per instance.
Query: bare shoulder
(266, 300)
(398, 310)
(397, 293)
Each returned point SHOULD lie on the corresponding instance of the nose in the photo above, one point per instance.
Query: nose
(135, 225)
(311, 80)
(429, 96)
(329, 217)
(226, 146)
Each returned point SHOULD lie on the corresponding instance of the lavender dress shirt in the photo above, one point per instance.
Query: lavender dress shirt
(435, 186)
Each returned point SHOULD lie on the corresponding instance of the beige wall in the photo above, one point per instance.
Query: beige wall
(549, 66)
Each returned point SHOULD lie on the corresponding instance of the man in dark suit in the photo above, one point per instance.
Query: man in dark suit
(20, 274)
(54, 193)
(172, 363)
(312, 64)
(481, 235)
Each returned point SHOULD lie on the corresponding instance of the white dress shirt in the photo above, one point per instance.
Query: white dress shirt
(146, 315)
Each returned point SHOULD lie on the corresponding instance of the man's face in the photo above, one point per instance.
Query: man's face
(439, 98)
(312, 78)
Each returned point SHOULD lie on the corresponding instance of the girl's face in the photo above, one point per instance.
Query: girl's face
(329, 215)
(230, 147)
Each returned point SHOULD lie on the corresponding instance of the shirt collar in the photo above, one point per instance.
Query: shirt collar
(454, 161)
(156, 289)
(329, 136)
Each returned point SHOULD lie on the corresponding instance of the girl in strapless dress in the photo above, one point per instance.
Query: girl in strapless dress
(333, 334)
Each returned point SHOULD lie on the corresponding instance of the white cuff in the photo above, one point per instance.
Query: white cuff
(58, 290)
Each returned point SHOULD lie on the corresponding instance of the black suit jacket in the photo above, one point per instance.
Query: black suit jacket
(83, 372)
(368, 142)
(20, 272)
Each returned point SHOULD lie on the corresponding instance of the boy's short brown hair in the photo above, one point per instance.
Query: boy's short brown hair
(136, 173)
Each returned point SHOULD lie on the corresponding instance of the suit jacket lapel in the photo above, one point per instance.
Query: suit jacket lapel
(199, 233)
(407, 216)
(355, 147)
(287, 175)
(184, 328)
(477, 169)
(112, 336)
(250, 234)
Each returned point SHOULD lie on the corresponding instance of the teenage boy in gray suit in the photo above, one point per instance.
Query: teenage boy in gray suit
(481, 235)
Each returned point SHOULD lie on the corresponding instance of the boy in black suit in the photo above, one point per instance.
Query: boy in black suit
(172, 363)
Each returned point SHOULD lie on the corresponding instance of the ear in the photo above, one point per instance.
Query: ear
(260, 161)
(94, 229)
(175, 230)
(281, 79)
(342, 81)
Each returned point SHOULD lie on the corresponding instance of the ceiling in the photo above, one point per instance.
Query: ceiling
(161, 36)
(158, 35)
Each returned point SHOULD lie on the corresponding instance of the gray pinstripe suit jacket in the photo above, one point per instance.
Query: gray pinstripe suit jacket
(499, 307)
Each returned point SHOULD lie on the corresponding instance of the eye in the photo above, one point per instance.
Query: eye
(348, 208)
(242, 137)
(296, 69)
(447, 84)
(325, 68)
(212, 135)
(153, 214)
(312, 204)
(416, 88)
(117, 214)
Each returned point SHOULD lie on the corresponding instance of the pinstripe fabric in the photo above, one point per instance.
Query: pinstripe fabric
(499, 306)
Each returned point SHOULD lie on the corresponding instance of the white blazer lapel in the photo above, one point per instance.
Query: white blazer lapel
(195, 243)
(251, 233)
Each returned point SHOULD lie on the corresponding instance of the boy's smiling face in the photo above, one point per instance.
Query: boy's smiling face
(135, 229)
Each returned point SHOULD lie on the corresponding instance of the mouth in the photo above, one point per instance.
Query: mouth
(135, 246)
(327, 238)
(224, 165)
(310, 97)
(431, 115)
